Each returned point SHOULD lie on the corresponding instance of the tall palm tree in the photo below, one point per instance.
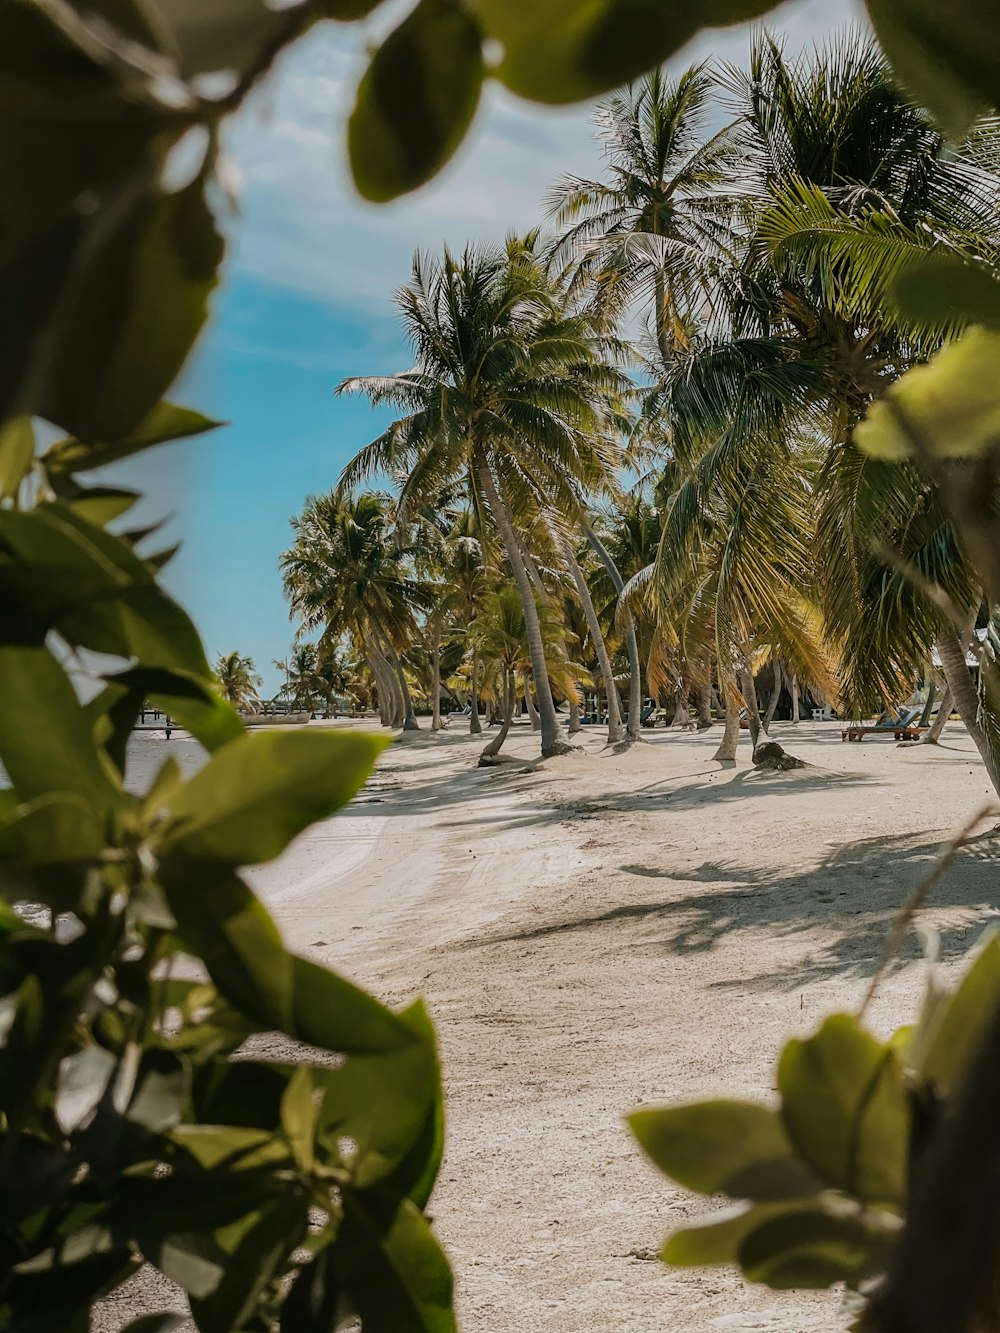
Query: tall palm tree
(650, 229)
(238, 680)
(507, 396)
(345, 574)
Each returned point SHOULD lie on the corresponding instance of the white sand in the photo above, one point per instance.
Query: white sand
(603, 930)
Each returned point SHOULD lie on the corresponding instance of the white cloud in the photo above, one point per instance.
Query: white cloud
(304, 228)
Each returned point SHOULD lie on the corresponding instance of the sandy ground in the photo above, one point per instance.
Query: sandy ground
(606, 930)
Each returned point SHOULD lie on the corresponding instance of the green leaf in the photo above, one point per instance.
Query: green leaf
(846, 1111)
(83, 1080)
(112, 363)
(262, 1245)
(812, 1248)
(259, 791)
(416, 100)
(227, 35)
(944, 290)
(17, 450)
(225, 1146)
(959, 1023)
(163, 423)
(333, 1013)
(101, 505)
(948, 408)
(718, 1240)
(382, 1102)
(566, 50)
(188, 699)
(313, 1299)
(948, 56)
(161, 1091)
(417, 1172)
(724, 1147)
(55, 754)
(70, 575)
(300, 1117)
(59, 829)
(224, 924)
(390, 1268)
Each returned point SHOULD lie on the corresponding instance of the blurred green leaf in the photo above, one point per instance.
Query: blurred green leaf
(334, 1013)
(17, 450)
(566, 50)
(300, 1117)
(313, 1299)
(256, 1256)
(229, 1146)
(161, 1090)
(416, 100)
(382, 1102)
(949, 408)
(188, 699)
(811, 1248)
(54, 752)
(101, 505)
(945, 290)
(259, 791)
(417, 1172)
(845, 1108)
(165, 422)
(226, 35)
(224, 924)
(82, 1082)
(959, 1022)
(111, 363)
(729, 1147)
(718, 1240)
(390, 1267)
(948, 56)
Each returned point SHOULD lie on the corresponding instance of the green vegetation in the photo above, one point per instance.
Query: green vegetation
(138, 1121)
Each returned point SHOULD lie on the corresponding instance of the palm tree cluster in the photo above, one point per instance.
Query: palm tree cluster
(623, 462)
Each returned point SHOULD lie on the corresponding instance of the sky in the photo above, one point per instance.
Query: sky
(306, 300)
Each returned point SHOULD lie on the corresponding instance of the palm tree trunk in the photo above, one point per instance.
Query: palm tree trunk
(389, 686)
(546, 707)
(475, 726)
(732, 699)
(510, 696)
(772, 704)
(574, 715)
(926, 715)
(410, 722)
(951, 650)
(749, 691)
(631, 641)
(705, 705)
(943, 713)
(615, 728)
(795, 697)
(530, 708)
(681, 704)
(436, 683)
(384, 712)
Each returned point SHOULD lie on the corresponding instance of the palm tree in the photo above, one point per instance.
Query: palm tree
(303, 684)
(500, 634)
(238, 680)
(507, 397)
(651, 228)
(346, 574)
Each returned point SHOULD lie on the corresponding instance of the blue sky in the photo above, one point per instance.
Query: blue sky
(306, 300)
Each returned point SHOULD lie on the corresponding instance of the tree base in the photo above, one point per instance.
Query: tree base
(559, 748)
(770, 756)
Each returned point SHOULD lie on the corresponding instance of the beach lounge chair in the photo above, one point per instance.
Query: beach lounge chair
(647, 718)
(902, 726)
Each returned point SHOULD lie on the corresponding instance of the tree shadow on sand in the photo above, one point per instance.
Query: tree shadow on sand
(854, 893)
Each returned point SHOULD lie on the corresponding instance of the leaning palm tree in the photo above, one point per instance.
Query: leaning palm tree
(345, 574)
(507, 396)
(238, 680)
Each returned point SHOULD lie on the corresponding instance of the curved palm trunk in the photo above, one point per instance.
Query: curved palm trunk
(436, 683)
(615, 728)
(631, 641)
(410, 722)
(926, 715)
(546, 707)
(772, 704)
(705, 706)
(726, 753)
(943, 713)
(794, 691)
(475, 726)
(386, 686)
(952, 653)
(510, 696)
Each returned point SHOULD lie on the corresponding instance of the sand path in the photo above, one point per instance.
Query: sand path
(601, 931)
